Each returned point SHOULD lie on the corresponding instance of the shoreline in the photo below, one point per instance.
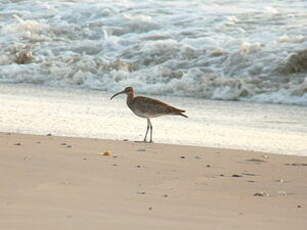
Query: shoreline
(82, 113)
(50, 181)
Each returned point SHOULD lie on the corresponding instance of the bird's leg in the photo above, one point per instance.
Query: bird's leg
(145, 138)
(150, 126)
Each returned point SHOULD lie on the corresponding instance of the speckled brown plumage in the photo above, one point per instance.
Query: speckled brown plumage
(153, 107)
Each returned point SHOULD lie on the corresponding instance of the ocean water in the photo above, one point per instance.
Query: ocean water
(225, 50)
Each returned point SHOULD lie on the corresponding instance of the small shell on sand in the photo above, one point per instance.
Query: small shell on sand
(106, 153)
(280, 180)
(282, 193)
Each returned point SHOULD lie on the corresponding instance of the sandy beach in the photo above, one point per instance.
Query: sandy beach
(52, 182)
(70, 157)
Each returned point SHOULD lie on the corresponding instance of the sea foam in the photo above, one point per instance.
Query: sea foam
(230, 50)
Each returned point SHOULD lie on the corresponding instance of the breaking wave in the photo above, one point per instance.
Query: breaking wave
(224, 50)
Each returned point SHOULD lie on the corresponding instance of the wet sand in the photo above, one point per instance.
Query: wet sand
(52, 183)
(220, 124)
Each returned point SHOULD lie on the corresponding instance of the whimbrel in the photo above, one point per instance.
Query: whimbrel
(147, 107)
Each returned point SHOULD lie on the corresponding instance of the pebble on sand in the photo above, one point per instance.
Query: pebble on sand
(261, 194)
(296, 164)
(141, 193)
(236, 175)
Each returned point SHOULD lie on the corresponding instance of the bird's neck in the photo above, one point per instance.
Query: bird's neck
(130, 97)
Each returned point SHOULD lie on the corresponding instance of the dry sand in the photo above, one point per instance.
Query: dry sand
(64, 183)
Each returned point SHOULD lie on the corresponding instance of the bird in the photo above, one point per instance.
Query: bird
(146, 107)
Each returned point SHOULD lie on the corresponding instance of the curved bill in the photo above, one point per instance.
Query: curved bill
(117, 94)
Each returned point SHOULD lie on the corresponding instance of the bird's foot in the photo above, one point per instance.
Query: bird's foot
(145, 141)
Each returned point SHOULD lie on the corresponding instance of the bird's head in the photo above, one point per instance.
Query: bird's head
(127, 90)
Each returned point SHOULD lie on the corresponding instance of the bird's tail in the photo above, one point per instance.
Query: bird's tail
(181, 114)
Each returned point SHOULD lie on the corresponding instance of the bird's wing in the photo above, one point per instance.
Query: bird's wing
(150, 105)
